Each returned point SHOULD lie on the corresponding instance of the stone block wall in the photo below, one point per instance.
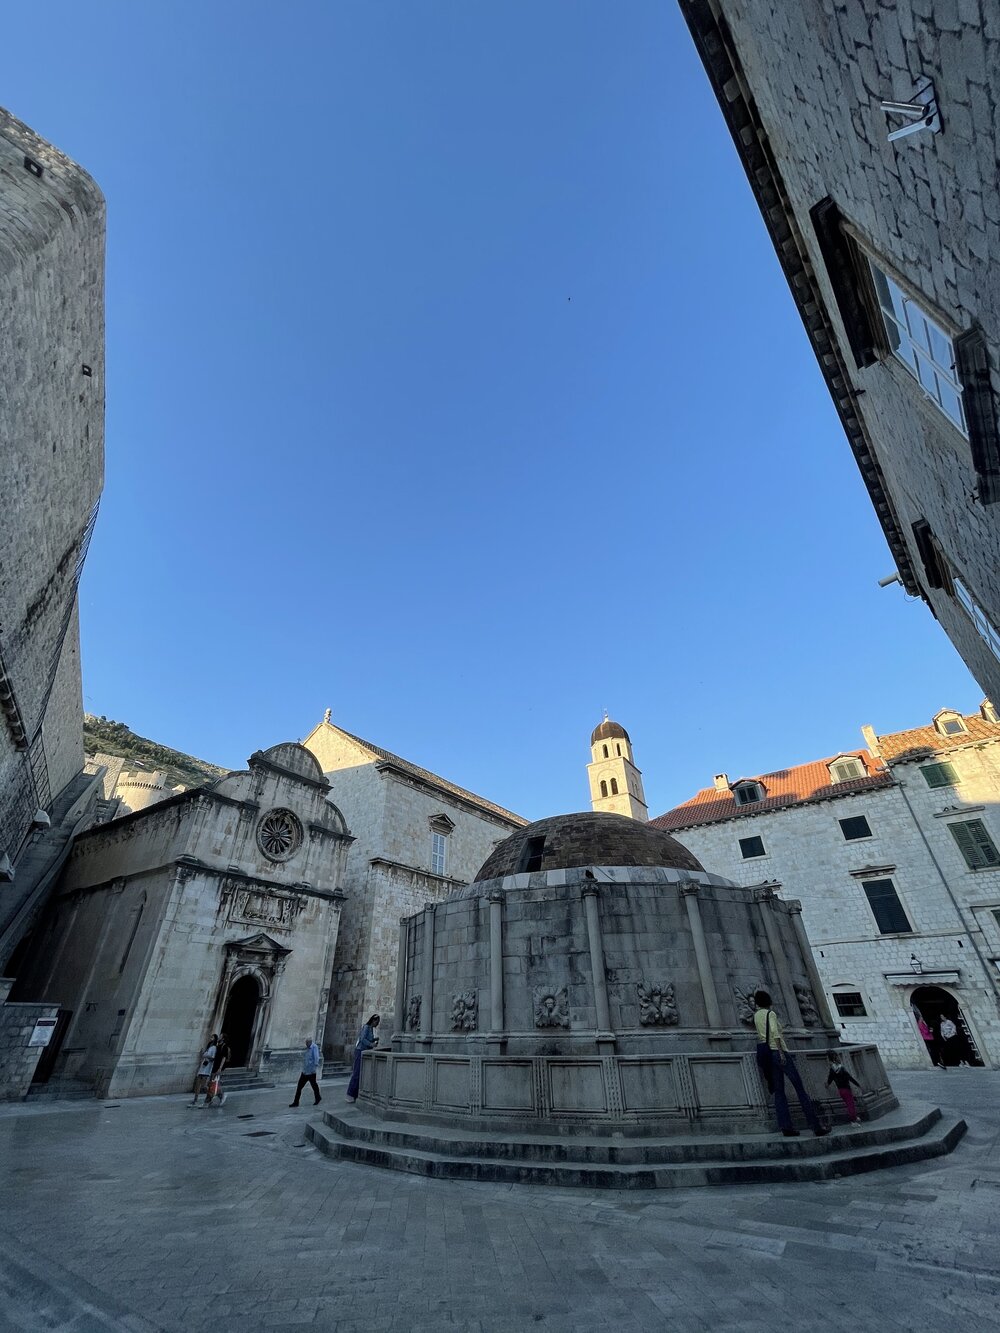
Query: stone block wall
(51, 455)
(18, 1060)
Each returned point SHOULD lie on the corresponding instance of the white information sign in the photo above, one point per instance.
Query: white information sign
(42, 1034)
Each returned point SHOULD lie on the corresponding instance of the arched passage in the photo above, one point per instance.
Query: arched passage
(933, 1005)
(239, 1020)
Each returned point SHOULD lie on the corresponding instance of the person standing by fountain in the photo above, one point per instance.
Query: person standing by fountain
(366, 1042)
(774, 1056)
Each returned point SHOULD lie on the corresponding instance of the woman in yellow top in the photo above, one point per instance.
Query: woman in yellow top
(775, 1055)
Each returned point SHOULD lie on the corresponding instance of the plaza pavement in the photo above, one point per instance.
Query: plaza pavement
(145, 1216)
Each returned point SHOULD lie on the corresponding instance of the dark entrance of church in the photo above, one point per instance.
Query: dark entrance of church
(239, 1021)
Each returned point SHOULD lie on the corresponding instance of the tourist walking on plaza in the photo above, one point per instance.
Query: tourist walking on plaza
(839, 1075)
(205, 1069)
(366, 1041)
(218, 1065)
(777, 1060)
(310, 1066)
(948, 1046)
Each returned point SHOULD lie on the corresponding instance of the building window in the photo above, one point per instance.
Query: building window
(531, 858)
(952, 726)
(618, 750)
(850, 1004)
(940, 775)
(855, 827)
(439, 854)
(846, 770)
(921, 345)
(605, 749)
(975, 844)
(989, 713)
(614, 786)
(746, 793)
(604, 787)
(888, 911)
(985, 628)
(751, 847)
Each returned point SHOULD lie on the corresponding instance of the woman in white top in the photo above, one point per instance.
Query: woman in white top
(205, 1069)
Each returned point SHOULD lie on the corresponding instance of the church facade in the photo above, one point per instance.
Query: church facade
(417, 839)
(215, 910)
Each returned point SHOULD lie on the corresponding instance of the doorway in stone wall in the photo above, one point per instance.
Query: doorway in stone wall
(240, 1017)
(933, 1004)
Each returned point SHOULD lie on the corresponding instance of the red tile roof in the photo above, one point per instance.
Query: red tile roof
(901, 745)
(786, 787)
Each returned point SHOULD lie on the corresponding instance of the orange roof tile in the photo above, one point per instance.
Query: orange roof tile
(920, 741)
(787, 787)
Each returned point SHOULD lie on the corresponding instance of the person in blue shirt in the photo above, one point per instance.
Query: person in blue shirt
(366, 1042)
(310, 1068)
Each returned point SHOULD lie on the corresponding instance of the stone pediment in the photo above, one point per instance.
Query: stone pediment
(259, 945)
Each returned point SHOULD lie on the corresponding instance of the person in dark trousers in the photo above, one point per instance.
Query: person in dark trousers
(366, 1042)
(310, 1066)
(839, 1075)
(774, 1055)
(204, 1069)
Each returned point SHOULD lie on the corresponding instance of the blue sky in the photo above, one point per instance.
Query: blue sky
(453, 385)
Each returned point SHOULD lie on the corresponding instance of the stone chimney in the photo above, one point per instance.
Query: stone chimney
(721, 781)
(871, 740)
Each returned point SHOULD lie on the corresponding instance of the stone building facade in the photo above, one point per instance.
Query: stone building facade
(417, 839)
(52, 223)
(888, 241)
(217, 909)
(894, 853)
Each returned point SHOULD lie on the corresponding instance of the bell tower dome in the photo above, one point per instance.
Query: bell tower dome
(615, 782)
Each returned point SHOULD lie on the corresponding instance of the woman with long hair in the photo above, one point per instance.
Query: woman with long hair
(367, 1041)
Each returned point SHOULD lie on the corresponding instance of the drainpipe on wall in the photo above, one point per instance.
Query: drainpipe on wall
(971, 932)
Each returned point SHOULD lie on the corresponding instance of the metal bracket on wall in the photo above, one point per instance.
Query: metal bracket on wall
(922, 112)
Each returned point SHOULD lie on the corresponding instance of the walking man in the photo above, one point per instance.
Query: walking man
(310, 1067)
(215, 1092)
(771, 1047)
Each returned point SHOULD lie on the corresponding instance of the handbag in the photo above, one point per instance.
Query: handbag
(765, 1057)
(213, 1087)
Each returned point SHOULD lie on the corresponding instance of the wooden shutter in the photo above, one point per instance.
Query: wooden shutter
(975, 844)
(972, 361)
(838, 254)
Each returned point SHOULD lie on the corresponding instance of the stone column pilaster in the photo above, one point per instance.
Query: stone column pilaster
(689, 892)
(812, 971)
(765, 901)
(496, 963)
(399, 1008)
(593, 911)
(427, 977)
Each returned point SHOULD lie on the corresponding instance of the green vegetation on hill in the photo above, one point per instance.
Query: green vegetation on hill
(102, 736)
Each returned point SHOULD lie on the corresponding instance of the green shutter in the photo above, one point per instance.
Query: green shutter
(940, 775)
(975, 844)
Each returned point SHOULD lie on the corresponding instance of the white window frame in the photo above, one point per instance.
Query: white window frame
(746, 786)
(859, 768)
(984, 627)
(919, 343)
(439, 853)
(843, 988)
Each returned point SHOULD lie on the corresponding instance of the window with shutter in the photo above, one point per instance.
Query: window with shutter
(940, 775)
(887, 910)
(973, 369)
(975, 844)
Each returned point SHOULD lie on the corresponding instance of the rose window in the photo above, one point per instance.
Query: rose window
(279, 834)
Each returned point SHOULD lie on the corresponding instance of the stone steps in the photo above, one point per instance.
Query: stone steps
(910, 1135)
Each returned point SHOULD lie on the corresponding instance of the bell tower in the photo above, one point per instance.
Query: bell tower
(615, 782)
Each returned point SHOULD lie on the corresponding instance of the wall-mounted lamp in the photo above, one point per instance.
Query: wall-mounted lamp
(915, 963)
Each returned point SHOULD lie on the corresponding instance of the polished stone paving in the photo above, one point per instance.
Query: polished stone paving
(145, 1215)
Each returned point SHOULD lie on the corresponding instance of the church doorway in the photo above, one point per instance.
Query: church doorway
(933, 1005)
(240, 1017)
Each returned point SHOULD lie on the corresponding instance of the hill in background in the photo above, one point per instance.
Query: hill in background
(102, 736)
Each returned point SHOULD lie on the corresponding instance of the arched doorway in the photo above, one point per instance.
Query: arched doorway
(932, 1004)
(239, 1020)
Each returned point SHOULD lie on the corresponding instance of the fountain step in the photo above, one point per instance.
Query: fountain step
(906, 1135)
